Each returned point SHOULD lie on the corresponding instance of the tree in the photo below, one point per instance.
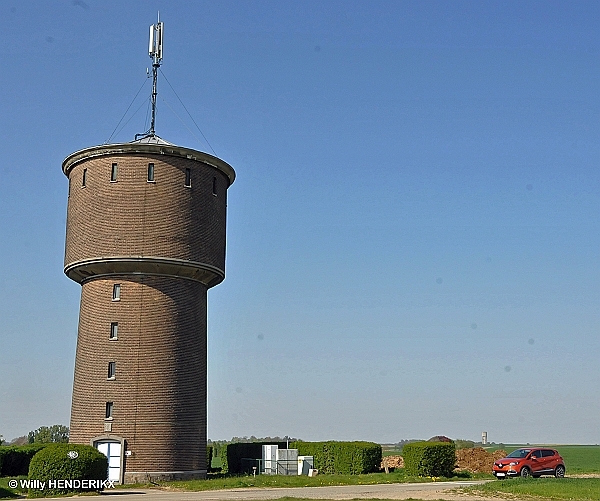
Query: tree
(46, 435)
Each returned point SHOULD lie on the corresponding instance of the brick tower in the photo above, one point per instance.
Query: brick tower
(146, 240)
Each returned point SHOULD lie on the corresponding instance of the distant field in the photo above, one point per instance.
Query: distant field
(390, 450)
(578, 458)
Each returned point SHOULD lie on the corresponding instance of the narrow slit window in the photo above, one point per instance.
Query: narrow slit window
(109, 410)
(116, 292)
(188, 178)
(112, 370)
(215, 186)
(84, 178)
(150, 173)
(114, 330)
(113, 173)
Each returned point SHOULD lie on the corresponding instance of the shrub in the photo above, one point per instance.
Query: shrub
(429, 459)
(53, 462)
(330, 457)
(351, 458)
(14, 460)
(209, 455)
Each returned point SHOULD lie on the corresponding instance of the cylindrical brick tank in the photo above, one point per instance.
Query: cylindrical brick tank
(146, 240)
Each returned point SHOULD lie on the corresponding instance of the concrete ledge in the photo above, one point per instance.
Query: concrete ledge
(143, 477)
(89, 269)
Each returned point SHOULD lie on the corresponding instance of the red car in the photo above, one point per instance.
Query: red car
(532, 461)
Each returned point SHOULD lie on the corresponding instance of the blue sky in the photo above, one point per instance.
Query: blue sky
(413, 235)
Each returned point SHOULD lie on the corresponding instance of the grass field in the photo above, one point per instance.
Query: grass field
(304, 481)
(6, 492)
(581, 489)
(578, 458)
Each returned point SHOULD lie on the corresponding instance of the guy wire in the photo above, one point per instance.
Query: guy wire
(117, 126)
(190, 115)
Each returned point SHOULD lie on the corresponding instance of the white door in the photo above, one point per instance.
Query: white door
(112, 450)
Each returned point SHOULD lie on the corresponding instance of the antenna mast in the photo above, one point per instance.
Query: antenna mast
(155, 51)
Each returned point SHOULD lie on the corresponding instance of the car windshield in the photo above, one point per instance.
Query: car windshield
(519, 453)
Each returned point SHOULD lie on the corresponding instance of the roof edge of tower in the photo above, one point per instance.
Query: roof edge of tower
(101, 267)
(147, 148)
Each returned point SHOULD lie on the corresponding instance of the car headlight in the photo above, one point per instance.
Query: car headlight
(514, 463)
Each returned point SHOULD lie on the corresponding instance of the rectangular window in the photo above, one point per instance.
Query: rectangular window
(188, 178)
(215, 186)
(109, 410)
(116, 292)
(114, 330)
(113, 173)
(84, 178)
(150, 173)
(112, 370)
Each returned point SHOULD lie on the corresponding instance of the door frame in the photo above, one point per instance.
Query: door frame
(116, 440)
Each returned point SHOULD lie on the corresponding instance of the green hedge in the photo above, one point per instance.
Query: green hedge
(209, 455)
(351, 458)
(54, 462)
(232, 454)
(15, 459)
(330, 457)
(429, 459)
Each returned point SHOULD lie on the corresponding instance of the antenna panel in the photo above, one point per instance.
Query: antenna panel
(160, 40)
(151, 44)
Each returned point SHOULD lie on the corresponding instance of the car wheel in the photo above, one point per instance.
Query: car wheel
(525, 472)
(560, 471)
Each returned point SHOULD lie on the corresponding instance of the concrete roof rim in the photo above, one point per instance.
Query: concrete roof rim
(159, 149)
(219, 274)
(148, 259)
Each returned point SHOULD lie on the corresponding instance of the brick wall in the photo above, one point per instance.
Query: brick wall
(159, 391)
(132, 217)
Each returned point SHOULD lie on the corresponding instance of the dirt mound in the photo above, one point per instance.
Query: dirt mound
(392, 462)
(477, 459)
(440, 438)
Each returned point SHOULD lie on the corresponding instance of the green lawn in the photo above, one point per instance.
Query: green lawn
(578, 458)
(581, 489)
(302, 481)
(6, 492)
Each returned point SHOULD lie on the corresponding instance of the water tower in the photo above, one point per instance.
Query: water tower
(146, 240)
